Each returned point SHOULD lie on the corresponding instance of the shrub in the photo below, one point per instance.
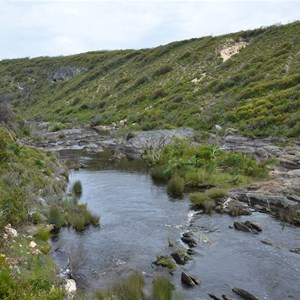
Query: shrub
(216, 193)
(162, 288)
(158, 172)
(130, 288)
(56, 216)
(203, 201)
(43, 234)
(77, 188)
(176, 185)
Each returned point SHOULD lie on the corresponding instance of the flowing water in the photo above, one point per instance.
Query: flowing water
(137, 220)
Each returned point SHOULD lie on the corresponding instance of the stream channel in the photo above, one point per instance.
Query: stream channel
(137, 218)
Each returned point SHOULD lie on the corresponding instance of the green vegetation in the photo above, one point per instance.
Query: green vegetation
(162, 288)
(131, 288)
(176, 185)
(77, 188)
(184, 83)
(203, 201)
(165, 261)
(207, 168)
(33, 276)
(69, 213)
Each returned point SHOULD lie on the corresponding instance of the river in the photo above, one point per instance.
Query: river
(138, 218)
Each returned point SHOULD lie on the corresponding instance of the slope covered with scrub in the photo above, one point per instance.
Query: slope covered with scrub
(185, 83)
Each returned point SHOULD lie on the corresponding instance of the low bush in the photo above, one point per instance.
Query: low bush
(56, 216)
(77, 188)
(158, 172)
(162, 288)
(176, 185)
(203, 201)
(43, 234)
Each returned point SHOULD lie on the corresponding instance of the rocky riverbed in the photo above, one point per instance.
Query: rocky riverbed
(281, 190)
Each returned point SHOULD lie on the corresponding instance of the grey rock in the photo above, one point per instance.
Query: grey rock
(187, 234)
(190, 252)
(189, 280)
(235, 207)
(235, 139)
(255, 226)
(189, 240)
(225, 297)
(153, 139)
(213, 296)
(295, 250)
(244, 294)
(267, 242)
(242, 227)
(65, 73)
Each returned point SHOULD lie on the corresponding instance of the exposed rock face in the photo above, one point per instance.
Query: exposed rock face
(153, 140)
(65, 73)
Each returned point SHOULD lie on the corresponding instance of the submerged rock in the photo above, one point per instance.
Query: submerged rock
(225, 297)
(295, 250)
(213, 296)
(267, 242)
(244, 294)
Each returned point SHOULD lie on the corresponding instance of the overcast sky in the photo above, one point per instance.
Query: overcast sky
(51, 28)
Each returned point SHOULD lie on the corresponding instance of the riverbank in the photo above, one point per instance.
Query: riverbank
(283, 180)
(280, 190)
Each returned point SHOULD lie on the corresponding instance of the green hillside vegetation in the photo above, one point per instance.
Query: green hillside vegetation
(184, 83)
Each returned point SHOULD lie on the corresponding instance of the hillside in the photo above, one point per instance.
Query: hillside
(191, 83)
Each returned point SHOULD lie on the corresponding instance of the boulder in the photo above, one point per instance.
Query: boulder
(236, 208)
(242, 227)
(32, 244)
(11, 232)
(189, 240)
(189, 279)
(180, 257)
(70, 288)
(255, 226)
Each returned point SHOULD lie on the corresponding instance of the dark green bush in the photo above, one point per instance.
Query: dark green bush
(176, 185)
(77, 188)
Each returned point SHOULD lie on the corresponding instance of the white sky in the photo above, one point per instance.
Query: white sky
(51, 28)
